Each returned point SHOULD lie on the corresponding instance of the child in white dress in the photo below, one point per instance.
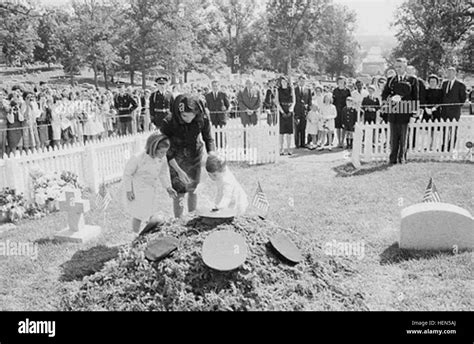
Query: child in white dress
(328, 116)
(312, 127)
(230, 194)
(141, 179)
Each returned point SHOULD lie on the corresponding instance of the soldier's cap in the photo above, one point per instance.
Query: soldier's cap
(162, 80)
(383, 79)
(372, 87)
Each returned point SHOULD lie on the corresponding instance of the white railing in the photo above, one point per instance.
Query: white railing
(426, 140)
(103, 161)
(95, 162)
(258, 144)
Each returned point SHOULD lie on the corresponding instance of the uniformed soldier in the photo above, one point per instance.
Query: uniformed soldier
(160, 102)
(125, 105)
(402, 91)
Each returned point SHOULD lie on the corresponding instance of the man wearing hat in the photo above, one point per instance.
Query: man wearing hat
(303, 104)
(160, 102)
(125, 105)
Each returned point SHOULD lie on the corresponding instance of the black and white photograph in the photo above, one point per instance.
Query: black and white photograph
(270, 156)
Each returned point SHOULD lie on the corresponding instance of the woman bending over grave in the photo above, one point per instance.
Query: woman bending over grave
(188, 120)
(142, 176)
(230, 194)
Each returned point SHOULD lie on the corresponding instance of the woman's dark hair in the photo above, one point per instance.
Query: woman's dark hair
(215, 164)
(189, 103)
(155, 142)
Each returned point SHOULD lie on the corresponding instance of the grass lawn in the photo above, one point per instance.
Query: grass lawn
(321, 197)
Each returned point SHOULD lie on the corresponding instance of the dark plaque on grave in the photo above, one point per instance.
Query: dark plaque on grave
(286, 248)
(161, 248)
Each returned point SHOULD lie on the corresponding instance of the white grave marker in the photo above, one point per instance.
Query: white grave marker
(78, 231)
(436, 226)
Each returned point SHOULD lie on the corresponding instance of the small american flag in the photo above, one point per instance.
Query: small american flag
(260, 200)
(103, 198)
(431, 194)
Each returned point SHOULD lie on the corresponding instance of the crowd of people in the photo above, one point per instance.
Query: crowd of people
(315, 116)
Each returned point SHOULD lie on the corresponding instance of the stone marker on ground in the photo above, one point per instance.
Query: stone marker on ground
(436, 226)
(286, 248)
(224, 251)
(161, 248)
(77, 231)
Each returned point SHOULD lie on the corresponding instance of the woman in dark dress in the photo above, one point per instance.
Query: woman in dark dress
(433, 99)
(182, 127)
(339, 96)
(15, 122)
(269, 104)
(286, 101)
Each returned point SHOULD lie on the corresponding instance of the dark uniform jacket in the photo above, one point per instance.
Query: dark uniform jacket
(404, 110)
(125, 104)
(160, 106)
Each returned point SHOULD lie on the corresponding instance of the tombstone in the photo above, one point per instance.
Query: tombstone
(436, 226)
(224, 251)
(77, 231)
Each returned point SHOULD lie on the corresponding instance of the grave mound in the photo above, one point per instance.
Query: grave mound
(182, 282)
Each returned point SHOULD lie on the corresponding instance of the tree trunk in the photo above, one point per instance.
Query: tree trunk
(143, 78)
(185, 76)
(94, 67)
(105, 78)
(72, 78)
(132, 77)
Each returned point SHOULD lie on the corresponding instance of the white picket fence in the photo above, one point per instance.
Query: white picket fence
(93, 162)
(425, 141)
(258, 144)
(103, 161)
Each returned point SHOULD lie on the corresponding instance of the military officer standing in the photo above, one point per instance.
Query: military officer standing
(125, 105)
(160, 102)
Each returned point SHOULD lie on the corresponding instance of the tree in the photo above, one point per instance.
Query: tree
(50, 46)
(342, 48)
(18, 36)
(429, 31)
(293, 25)
(97, 32)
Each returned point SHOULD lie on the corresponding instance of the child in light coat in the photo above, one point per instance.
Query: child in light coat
(142, 176)
(230, 194)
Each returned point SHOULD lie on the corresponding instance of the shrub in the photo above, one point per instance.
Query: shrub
(183, 282)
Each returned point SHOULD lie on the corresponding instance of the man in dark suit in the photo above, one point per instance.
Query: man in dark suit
(218, 104)
(454, 92)
(161, 102)
(401, 94)
(454, 95)
(250, 104)
(302, 107)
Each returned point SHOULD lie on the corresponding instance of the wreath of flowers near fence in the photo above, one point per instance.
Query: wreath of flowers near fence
(48, 189)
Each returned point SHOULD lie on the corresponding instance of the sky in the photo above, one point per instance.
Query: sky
(373, 16)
